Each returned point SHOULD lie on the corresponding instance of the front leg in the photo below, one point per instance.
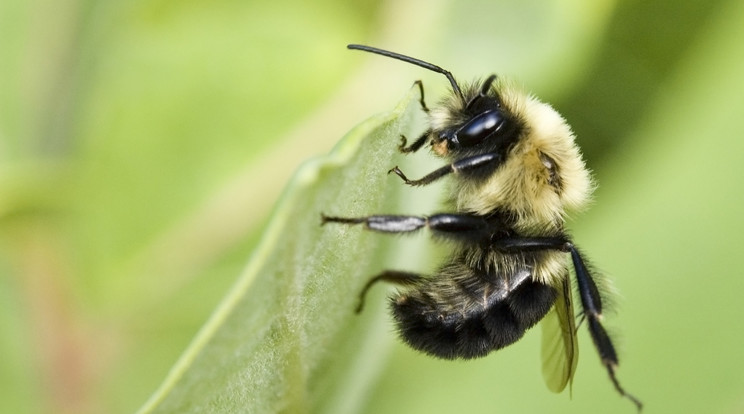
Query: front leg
(421, 140)
(421, 96)
(416, 145)
(471, 167)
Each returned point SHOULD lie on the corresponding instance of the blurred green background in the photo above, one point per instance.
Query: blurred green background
(143, 144)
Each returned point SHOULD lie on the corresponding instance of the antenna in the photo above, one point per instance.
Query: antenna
(417, 62)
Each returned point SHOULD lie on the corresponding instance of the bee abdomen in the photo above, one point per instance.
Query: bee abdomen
(442, 331)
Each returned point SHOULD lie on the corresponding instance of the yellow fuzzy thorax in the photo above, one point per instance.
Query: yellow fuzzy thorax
(521, 184)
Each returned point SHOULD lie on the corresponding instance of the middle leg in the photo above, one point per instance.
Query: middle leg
(463, 227)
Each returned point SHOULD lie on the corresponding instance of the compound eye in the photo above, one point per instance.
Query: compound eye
(479, 128)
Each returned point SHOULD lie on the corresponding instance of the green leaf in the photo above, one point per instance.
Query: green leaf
(286, 337)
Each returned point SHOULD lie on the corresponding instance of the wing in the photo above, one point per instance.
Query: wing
(560, 348)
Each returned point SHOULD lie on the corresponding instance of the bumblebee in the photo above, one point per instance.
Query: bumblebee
(516, 170)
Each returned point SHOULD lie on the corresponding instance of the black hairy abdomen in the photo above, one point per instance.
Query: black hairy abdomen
(444, 328)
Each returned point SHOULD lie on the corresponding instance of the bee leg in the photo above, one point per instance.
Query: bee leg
(592, 304)
(423, 137)
(591, 301)
(462, 227)
(416, 145)
(392, 276)
(473, 167)
(421, 100)
(381, 223)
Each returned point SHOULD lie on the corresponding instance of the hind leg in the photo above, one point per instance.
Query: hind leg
(391, 276)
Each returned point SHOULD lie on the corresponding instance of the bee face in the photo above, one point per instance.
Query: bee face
(480, 123)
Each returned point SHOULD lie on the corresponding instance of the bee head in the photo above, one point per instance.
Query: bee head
(473, 123)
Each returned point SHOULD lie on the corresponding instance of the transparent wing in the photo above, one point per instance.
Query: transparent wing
(560, 348)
